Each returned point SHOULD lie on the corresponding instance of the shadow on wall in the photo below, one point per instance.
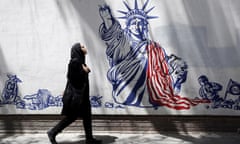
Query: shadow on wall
(198, 14)
(90, 15)
(88, 12)
(7, 124)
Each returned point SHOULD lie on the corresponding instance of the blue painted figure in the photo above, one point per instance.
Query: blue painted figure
(232, 95)
(10, 91)
(140, 71)
(209, 91)
(41, 100)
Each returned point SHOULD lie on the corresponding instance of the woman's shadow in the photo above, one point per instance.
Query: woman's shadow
(106, 139)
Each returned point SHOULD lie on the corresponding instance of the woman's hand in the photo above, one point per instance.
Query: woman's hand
(86, 68)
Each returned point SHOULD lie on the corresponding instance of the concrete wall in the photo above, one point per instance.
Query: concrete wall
(36, 37)
(123, 124)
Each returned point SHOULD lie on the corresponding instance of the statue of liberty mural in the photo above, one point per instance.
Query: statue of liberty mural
(141, 73)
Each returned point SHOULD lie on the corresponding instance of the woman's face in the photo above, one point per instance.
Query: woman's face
(84, 49)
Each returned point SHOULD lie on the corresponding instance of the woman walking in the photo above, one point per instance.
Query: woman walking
(76, 103)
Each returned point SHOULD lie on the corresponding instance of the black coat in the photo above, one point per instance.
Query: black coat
(76, 95)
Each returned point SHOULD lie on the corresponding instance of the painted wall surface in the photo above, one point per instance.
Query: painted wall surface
(174, 57)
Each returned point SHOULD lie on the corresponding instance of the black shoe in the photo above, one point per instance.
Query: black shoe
(93, 141)
(51, 137)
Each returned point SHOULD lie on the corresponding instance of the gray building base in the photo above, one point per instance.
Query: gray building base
(123, 123)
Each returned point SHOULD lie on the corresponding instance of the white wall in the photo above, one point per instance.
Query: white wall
(36, 37)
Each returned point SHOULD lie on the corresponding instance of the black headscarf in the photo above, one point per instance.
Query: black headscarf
(76, 51)
(76, 73)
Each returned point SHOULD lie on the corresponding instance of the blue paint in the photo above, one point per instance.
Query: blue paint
(210, 91)
(41, 100)
(10, 91)
(96, 101)
(38, 101)
(128, 56)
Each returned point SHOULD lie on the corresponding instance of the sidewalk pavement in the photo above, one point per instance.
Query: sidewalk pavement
(121, 138)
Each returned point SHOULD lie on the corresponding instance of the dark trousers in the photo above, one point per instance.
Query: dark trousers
(67, 120)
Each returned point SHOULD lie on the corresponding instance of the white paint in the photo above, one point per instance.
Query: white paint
(36, 37)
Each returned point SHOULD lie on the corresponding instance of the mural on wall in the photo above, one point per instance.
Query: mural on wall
(143, 76)
(209, 91)
(140, 67)
(10, 91)
(38, 101)
(41, 100)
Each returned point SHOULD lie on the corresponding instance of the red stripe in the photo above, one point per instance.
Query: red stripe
(160, 84)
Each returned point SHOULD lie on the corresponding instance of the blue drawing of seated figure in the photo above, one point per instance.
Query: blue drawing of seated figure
(209, 91)
(10, 91)
(41, 100)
